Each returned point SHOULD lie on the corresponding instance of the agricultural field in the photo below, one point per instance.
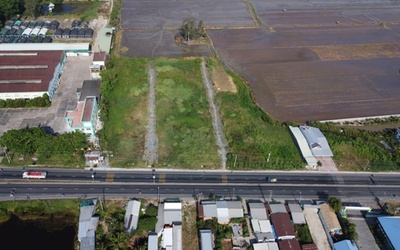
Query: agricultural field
(303, 60)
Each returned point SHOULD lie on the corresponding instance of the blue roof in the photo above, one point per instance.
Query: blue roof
(391, 226)
(345, 245)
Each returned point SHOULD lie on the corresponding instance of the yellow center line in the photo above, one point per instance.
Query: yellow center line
(110, 177)
(161, 178)
(224, 178)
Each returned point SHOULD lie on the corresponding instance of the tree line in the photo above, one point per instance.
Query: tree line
(38, 141)
(10, 8)
(37, 102)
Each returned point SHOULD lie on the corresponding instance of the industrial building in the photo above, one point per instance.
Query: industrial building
(30, 73)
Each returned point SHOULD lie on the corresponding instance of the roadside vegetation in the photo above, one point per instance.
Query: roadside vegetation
(31, 146)
(356, 149)
(37, 102)
(255, 140)
(124, 102)
(110, 233)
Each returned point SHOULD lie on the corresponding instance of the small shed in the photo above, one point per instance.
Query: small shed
(9, 25)
(66, 33)
(54, 25)
(89, 33)
(46, 24)
(39, 24)
(152, 241)
(34, 32)
(32, 24)
(24, 25)
(73, 33)
(47, 39)
(206, 241)
(58, 33)
(257, 210)
(43, 32)
(132, 215)
(16, 24)
(277, 208)
(27, 32)
(81, 33)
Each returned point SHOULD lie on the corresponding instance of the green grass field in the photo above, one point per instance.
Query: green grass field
(186, 138)
(184, 126)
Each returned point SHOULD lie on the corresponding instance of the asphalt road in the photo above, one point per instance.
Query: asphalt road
(147, 183)
(194, 177)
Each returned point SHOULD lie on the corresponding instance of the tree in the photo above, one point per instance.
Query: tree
(190, 30)
(32, 7)
(335, 203)
(9, 8)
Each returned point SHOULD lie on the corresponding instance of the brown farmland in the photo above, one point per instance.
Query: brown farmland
(310, 60)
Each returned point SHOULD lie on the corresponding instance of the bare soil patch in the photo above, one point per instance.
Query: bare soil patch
(222, 81)
(189, 225)
(356, 51)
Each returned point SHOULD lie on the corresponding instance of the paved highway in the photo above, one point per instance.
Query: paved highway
(162, 183)
(189, 177)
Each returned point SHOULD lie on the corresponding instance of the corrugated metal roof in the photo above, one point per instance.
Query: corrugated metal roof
(167, 239)
(330, 218)
(48, 47)
(391, 226)
(258, 211)
(104, 39)
(265, 226)
(210, 210)
(278, 208)
(303, 145)
(294, 207)
(316, 141)
(171, 216)
(292, 244)
(37, 66)
(298, 218)
(206, 239)
(132, 215)
(177, 235)
(282, 224)
(86, 212)
(348, 245)
(255, 225)
(152, 241)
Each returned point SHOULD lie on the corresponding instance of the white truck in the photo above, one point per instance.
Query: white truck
(34, 175)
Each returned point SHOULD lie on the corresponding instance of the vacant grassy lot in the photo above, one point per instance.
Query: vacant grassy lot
(124, 108)
(255, 140)
(184, 127)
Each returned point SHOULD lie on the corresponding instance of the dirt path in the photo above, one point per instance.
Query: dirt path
(217, 124)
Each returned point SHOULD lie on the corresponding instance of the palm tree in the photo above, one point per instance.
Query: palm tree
(118, 241)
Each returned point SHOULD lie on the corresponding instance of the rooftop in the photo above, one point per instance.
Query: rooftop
(391, 225)
(28, 71)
